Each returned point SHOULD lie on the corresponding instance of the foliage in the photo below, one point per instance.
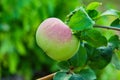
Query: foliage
(95, 51)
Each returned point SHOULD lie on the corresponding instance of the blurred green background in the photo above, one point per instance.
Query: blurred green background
(20, 57)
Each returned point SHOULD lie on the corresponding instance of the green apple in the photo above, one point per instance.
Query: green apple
(56, 39)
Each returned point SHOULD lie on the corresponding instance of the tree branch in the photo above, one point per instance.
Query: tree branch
(48, 77)
(107, 27)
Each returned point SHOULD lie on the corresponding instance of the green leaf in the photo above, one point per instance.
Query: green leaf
(80, 20)
(115, 41)
(111, 12)
(116, 60)
(93, 5)
(88, 74)
(61, 76)
(94, 38)
(116, 23)
(64, 65)
(106, 52)
(90, 50)
(76, 77)
(92, 13)
(79, 59)
(13, 60)
(101, 57)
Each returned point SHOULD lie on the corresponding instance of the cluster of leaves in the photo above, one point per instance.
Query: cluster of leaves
(95, 51)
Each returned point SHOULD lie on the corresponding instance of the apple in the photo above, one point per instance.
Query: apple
(56, 39)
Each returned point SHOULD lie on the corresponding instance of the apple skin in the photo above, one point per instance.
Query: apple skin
(56, 39)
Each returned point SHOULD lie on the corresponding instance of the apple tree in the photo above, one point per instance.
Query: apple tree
(79, 44)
